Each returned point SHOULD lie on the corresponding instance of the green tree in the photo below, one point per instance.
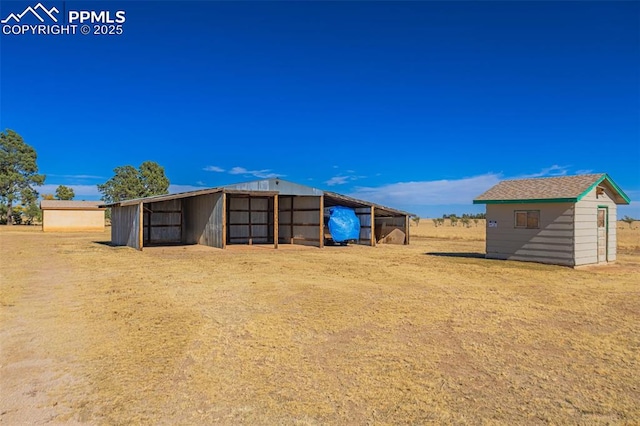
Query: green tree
(64, 193)
(628, 220)
(31, 210)
(18, 170)
(129, 182)
(16, 215)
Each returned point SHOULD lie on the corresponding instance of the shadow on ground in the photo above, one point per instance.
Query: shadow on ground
(457, 254)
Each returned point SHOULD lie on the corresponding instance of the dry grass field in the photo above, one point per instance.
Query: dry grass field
(419, 334)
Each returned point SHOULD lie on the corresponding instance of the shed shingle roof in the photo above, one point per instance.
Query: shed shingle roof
(550, 189)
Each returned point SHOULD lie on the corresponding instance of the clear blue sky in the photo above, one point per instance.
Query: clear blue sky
(416, 105)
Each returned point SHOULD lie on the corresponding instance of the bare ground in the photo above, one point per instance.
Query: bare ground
(429, 333)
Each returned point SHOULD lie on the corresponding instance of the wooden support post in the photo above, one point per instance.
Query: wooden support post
(321, 221)
(224, 220)
(141, 229)
(373, 226)
(250, 227)
(406, 230)
(275, 221)
(292, 214)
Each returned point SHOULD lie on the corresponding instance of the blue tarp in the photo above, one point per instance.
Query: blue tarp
(344, 225)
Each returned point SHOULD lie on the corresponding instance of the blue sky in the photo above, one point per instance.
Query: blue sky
(416, 105)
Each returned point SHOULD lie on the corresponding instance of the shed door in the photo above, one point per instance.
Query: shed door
(602, 235)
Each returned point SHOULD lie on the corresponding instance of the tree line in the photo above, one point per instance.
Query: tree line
(19, 177)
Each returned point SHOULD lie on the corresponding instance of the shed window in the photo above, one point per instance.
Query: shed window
(527, 219)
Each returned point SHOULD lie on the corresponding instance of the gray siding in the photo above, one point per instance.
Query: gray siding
(551, 243)
(125, 226)
(203, 220)
(586, 227)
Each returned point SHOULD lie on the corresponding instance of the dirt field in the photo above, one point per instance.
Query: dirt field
(429, 333)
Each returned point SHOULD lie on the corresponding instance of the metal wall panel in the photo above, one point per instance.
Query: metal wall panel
(364, 215)
(125, 226)
(203, 220)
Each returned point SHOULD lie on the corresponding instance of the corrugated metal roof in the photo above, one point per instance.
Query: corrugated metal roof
(69, 205)
(267, 187)
(165, 197)
(283, 187)
(354, 202)
(550, 189)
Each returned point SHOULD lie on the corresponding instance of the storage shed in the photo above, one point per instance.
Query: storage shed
(269, 211)
(72, 216)
(568, 220)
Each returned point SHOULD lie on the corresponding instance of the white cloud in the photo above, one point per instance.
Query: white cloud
(213, 169)
(262, 174)
(584, 172)
(76, 176)
(554, 170)
(337, 180)
(343, 178)
(429, 193)
(440, 192)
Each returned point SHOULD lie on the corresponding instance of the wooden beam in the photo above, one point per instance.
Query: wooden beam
(373, 226)
(275, 221)
(321, 221)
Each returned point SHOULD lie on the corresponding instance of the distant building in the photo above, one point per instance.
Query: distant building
(72, 216)
(568, 220)
(270, 211)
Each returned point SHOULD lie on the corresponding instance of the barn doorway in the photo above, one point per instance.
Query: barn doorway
(162, 223)
(603, 240)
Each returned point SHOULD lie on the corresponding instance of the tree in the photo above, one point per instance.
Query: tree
(129, 182)
(628, 220)
(31, 210)
(416, 220)
(64, 193)
(18, 170)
